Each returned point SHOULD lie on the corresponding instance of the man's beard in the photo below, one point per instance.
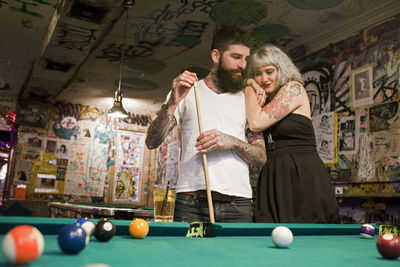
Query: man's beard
(228, 79)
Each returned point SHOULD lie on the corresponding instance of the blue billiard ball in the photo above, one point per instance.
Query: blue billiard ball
(72, 239)
(87, 225)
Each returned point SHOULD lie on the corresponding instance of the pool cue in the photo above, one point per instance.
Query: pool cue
(205, 167)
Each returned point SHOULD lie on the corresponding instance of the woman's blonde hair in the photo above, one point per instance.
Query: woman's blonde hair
(272, 55)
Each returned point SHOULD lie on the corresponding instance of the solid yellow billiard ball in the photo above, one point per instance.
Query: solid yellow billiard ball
(138, 228)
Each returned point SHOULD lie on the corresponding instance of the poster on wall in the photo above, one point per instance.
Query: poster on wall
(75, 180)
(86, 169)
(128, 166)
(325, 127)
(96, 169)
(31, 147)
(348, 135)
(362, 86)
(384, 117)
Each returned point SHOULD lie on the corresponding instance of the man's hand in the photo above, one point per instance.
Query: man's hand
(213, 139)
(181, 86)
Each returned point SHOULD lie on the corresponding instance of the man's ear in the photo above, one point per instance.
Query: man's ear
(215, 55)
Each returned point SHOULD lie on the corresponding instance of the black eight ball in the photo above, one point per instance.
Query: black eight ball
(104, 230)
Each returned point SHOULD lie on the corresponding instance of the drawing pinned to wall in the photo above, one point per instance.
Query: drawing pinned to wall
(325, 127)
(348, 134)
(75, 180)
(97, 168)
(384, 117)
(86, 130)
(361, 86)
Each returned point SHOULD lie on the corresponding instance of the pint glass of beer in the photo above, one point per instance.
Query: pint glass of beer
(164, 202)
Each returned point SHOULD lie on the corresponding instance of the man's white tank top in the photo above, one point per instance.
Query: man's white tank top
(228, 173)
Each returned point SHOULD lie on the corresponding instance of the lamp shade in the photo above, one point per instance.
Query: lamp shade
(117, 111)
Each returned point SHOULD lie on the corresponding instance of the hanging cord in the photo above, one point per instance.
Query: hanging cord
(123, 51)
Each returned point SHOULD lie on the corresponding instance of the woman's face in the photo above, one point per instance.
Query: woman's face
(267, 77)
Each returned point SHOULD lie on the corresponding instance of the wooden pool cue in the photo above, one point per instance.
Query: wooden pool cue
(205, 166)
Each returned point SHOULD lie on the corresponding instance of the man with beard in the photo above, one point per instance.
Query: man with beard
(230, 146)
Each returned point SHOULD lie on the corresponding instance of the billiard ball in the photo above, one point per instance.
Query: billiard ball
(104, 230)
(367, 231)
(87, 225)
(72, 239)
(22, 244)
(282, 237)
(388, 246)
(138, 228)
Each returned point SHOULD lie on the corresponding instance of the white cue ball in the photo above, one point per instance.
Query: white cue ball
(282, 236)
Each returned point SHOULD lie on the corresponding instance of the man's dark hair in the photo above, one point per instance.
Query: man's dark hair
(229, 35)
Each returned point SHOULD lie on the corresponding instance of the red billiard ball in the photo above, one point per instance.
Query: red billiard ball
(104, 230)
(388, 246)
(23, 244)
(72, 239)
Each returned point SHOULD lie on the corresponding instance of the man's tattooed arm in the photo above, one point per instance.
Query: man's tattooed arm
(160, 127)
(253, 152)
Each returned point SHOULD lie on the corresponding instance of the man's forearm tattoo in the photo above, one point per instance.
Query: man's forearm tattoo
(252, 152)
(160, 128)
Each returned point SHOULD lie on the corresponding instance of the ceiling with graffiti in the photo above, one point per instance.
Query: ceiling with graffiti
(70, 50)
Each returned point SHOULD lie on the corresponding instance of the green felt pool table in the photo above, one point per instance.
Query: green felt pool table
(234, 244)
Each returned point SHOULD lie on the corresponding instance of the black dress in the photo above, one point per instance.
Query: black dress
(294, 185)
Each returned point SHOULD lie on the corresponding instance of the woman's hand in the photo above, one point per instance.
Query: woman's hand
(261, 95)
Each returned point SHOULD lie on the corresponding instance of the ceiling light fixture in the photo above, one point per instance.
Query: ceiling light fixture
(118, 111)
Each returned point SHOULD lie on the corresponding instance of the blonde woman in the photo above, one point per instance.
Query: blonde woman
(294, 185)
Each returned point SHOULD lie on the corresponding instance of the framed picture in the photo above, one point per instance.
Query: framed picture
(129, 175)
(362, 86)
